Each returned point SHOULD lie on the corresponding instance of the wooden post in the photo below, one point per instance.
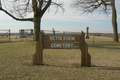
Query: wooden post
(88, 57)
(82, 49)
(41, 47)
(93, 38)
(9, 35)
(85, 57)
(38, 56)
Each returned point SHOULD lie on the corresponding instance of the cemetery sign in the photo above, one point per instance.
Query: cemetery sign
(62, 41)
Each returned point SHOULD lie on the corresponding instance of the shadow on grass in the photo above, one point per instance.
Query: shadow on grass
(107, 68)
(14, 41)
(9, 42)
(106, 46)
(78, 65)
(59, 66)
(75, 65)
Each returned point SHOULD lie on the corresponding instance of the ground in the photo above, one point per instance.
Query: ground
(60, 64)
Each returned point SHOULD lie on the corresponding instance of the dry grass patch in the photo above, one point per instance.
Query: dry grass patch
(60, 64)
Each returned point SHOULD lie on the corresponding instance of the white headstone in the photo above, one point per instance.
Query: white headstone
(15, 35)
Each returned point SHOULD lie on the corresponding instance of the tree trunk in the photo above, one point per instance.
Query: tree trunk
(37, 21)
(114, 22)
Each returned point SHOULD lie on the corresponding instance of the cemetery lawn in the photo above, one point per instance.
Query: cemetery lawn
(61, 64)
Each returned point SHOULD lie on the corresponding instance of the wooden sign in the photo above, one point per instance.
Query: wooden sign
(62, 42)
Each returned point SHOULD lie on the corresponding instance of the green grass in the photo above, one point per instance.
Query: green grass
(60, 64)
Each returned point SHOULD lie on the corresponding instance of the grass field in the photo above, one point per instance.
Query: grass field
(16, 62)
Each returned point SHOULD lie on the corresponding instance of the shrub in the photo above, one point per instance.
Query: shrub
(97, 34)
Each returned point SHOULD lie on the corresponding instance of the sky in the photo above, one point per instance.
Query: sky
(70, 20)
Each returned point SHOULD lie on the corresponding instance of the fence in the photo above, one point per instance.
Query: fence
(5, 35)
(26, 34)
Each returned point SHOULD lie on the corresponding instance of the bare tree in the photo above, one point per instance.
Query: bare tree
(20, 9)
(88, 6)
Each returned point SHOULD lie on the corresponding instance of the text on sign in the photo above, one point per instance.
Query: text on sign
(70, 38)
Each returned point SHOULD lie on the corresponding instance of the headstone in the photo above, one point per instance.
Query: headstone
(22, 33)
(15, 35)
(64, 33)
(31, 33)
(53, 31)
(87, 35)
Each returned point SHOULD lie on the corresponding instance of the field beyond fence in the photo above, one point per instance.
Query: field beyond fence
(14, 38)
(16, 61)
(30, 38)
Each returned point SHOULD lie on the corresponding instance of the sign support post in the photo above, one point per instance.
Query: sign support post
(85, 56)
(38, 56)
(9, 35)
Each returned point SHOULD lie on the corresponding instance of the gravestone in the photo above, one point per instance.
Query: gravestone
(22, 33)
(87, 35)
(53, 31)
(64, 33)
(31, 33)
(15, 35)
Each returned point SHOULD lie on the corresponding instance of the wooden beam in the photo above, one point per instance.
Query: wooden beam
(38, 56)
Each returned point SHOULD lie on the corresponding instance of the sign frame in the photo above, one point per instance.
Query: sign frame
(62, 42)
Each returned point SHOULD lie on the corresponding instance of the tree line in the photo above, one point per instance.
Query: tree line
(20, 9)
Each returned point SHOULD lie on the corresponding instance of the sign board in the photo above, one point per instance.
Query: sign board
(62, 42)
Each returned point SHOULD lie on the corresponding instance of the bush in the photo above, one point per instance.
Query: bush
(97, 35)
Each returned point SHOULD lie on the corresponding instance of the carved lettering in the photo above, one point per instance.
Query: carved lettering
(61, 45)
(70, 38)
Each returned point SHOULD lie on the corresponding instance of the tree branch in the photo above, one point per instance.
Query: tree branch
(88, 6)
(35, 8)
(45, 8)
(40, 4)
(56, 5)
(0, 4)
(27, 19)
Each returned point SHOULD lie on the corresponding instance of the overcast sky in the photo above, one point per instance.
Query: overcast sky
(67, 21)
